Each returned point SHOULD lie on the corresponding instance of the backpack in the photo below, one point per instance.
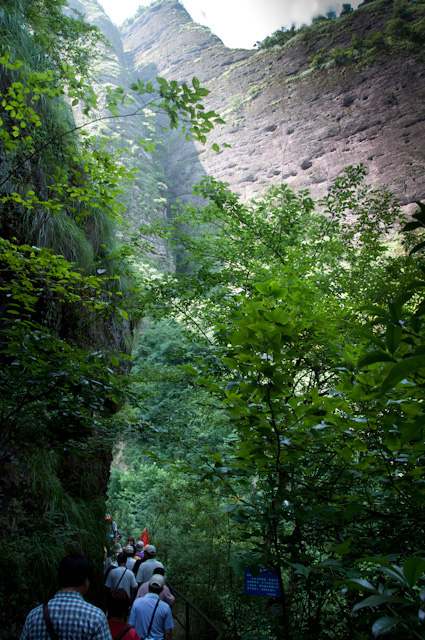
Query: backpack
(136, 566)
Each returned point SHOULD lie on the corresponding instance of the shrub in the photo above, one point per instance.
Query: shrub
(397, 28)
(376, 41)
(346, 9)
(340, 56)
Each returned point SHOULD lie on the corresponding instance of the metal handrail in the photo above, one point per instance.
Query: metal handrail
(192, 606)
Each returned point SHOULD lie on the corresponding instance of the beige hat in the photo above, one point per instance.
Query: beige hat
(150, 550)
(157, 581)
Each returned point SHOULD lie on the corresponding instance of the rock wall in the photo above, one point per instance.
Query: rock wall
(287, 121)
(145, 198)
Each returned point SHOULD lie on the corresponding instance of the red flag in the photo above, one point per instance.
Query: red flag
(145, 537)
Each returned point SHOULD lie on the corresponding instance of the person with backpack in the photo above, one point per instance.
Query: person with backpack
(151, 617)
(112, 528)
(119, 605)
(67, 614)
(121, 577)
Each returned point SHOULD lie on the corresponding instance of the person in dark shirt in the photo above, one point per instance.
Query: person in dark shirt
(119, 605)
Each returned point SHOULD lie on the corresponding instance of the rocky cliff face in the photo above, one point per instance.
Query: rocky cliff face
(144, 199)
(287, 121)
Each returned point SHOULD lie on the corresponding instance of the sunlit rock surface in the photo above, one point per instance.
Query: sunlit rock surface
(286, 121)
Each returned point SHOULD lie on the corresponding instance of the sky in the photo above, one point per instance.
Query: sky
(238, 23)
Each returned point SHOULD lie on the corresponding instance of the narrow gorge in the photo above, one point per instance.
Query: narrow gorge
(252, 351)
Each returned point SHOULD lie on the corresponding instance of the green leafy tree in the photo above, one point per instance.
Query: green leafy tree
(148, 488)
(279, 291)
(279, 37)
(346, 9)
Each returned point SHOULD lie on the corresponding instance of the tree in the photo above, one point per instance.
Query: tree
(279, 37)
(346, 9)
(280, 291)
(230, 245)
(148, 488)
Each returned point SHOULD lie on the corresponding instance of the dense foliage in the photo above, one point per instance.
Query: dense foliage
(296, 397)
(398, 28)
(397, 31)
(67, 290)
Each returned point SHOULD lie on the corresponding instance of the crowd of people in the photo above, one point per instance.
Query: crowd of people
(135, 571)
(138, 600)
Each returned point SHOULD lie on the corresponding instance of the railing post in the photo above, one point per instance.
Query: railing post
(190, 605)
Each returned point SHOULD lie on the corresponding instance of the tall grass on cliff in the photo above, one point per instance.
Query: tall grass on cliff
(57, 399)
(55, 522)
(57, 220)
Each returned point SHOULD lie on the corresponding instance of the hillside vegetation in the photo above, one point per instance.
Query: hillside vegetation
(280, 421)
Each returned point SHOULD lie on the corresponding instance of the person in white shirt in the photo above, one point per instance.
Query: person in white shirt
(145, 571)
(121, 577)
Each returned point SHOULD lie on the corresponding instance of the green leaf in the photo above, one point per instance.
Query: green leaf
(351, 509)
(418, 247)
(395, 311)
(393, 336)
(376, 600)
(262, 287)
(413, 569)
(383, 625)
(396, 573)
(402, 370)
(360, 582)
(114, 360)
(343, 548)
(373, 358)
(300, 569)
(407, 434)
(345, 453)
(227, 508)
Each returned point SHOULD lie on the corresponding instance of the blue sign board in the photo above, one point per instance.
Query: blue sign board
(266, 584)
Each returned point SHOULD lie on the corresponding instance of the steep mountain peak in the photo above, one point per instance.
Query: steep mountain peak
(166, 15)
(341, 92)
(165, 35)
